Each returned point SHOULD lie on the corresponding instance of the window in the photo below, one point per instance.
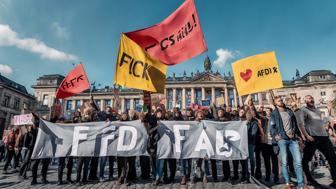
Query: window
(78, 104)
(170, 98)
(188, 97)
(108, 102)
(322, 77)
(254, 98)
(179, 98)
(198, 96)
(69, 104)
(127, 104)
(98, 102)
(6, 101)
(137, 105)
(16, 103)
(323, 93)
(45, 101)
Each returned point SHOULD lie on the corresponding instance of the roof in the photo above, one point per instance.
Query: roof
(52, 76)
(12, 84)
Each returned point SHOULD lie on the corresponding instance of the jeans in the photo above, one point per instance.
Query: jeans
(102, 166)
(295, 151)
(252, 160)
(323, 144)
(200, 168)
(186, 167)
(159, 168)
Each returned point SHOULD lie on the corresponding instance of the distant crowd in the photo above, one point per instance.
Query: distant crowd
(285, 137)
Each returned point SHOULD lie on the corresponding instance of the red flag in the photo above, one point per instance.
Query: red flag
(75, 82)
(177, 38)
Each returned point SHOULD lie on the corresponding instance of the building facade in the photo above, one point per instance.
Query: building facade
(14, 100)
(196, 88)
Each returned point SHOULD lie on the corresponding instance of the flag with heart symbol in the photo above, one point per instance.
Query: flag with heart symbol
(257, 73)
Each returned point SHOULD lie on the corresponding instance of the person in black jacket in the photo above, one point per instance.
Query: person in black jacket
(157, 164)
(35, 163)
(27, 150)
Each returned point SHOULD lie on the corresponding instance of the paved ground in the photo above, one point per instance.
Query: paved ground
(11, 181)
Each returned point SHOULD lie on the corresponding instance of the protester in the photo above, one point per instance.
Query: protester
(123, 164)
(187, 163)
(132, 176)
(285, 133)
(201, 165)
(252, 131)
(221, 116)
(27, 150)
(157, 164)
(243, 163)
(61, 165)
(107, 115)
(270, 151)
(35, 164)
(312, 127)
(11, 139)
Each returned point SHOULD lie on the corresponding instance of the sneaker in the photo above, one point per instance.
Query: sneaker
(157, 182)
(59, 183)
(101, 179)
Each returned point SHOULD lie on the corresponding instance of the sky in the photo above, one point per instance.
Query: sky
(49, 37)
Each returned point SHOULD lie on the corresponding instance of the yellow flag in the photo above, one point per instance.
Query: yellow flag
(136, 69)
(257, 73)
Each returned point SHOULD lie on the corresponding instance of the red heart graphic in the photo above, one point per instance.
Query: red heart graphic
(247, 75)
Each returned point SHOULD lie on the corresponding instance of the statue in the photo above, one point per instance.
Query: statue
(207, 64)
(297, 74)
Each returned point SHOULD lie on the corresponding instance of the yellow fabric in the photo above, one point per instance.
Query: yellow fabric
(136, 69)
(257, 73)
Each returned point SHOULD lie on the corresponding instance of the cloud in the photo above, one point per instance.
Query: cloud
(8, 37)
(5, 69)
(60, 31)
(223, 55)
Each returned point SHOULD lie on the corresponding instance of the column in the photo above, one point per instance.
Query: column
(112, 102)
(235, 98)
(241, 101)
(260, 100)
(213, 95)
(122, 105)
(166, 97)
(174, 97)
(73, 104)
(102, 104)
(183, 98)
(203, 93)
(226, 95)
(192, 95)
(132, 104)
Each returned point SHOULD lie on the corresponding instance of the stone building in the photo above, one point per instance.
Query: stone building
(200, 87)
(14, 100)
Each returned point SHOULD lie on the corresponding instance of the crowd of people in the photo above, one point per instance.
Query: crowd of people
(286, 138)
